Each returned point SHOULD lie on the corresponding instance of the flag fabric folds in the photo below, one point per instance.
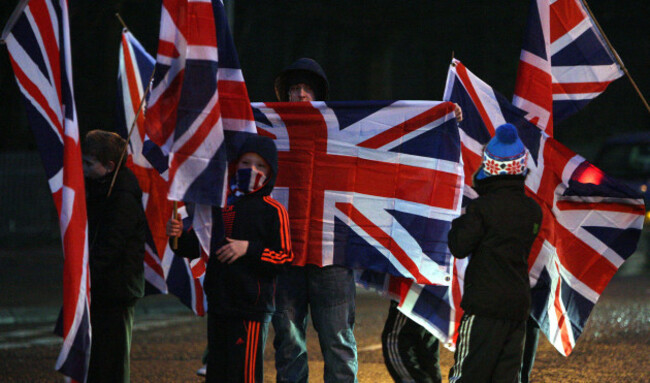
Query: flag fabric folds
(591, 225)
(368, 185)
(164, 272)
(565, 62)
(39, 51)
(198, 91)
(591, 222)
(183, 116)
(434, 307)
(198, 111)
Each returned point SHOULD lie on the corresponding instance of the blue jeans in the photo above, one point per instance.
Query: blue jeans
(329, 292)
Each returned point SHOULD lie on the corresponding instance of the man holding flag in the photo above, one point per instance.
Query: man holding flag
(328, 291)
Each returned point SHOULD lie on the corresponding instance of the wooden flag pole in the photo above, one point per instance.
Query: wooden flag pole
(616, 56)
(121, 21)
(174, 243)
(128, 137)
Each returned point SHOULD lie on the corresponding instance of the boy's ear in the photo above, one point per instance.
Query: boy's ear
(110, 166)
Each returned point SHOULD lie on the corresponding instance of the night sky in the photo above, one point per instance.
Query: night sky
(370, 50)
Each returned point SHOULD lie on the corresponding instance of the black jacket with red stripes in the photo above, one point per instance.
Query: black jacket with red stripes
(246, 288)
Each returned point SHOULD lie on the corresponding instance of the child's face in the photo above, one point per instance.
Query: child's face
(253, 161)
(92, 168)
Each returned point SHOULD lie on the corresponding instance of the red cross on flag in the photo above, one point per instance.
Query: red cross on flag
(371, 185)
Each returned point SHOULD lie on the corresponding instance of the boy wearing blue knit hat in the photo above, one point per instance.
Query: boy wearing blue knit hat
(498, 230)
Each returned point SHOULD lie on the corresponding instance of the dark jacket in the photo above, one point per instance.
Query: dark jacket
(116, 230)
(498, 230)
(246, 288)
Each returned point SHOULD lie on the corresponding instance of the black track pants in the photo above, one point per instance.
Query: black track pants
(236, 348)
(488, 350)
(410, 351)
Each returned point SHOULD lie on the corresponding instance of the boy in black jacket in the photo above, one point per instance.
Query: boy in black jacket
(498, 230)
(241, 275)
(116, 229)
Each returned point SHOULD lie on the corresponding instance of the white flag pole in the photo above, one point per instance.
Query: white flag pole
(12, 20)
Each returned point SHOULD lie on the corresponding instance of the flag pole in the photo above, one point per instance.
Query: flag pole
(128, 137)
(122, 22)
(618, 59)
(12, 20)
(174, 244)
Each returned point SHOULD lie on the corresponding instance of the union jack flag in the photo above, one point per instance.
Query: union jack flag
(164, 272)
(591, 222)
(434, 307)
(198, 111)
(591, 225)
(38, 40)
(368, 185)
(183, 113)
(564, 63)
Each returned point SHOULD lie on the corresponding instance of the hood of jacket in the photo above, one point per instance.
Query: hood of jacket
(307, 69)
(265, 148)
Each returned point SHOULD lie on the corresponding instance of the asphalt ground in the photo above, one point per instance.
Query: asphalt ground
(168, 340)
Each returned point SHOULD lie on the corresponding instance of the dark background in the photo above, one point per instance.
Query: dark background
(370, 50)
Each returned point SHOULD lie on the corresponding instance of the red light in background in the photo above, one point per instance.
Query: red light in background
(589, 174)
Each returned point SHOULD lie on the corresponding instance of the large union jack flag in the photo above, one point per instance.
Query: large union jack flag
(565, 62)
(369, 185)
(38, 40)
(164, 272)
(198, 111)
(591, 223)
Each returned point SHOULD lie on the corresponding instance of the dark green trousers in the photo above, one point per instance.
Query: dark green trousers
(111, 343)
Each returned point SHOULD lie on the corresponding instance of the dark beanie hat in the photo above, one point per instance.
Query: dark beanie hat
(306, 71)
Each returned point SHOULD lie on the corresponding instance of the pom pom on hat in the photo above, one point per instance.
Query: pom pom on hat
(507, 133)
(504, 154)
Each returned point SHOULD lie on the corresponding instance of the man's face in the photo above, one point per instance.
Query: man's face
(92, 168)
(301, 92)
(254, 161)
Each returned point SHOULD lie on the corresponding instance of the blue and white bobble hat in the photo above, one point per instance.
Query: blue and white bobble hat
(504, 154)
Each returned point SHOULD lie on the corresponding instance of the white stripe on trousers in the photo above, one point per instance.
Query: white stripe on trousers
(393, 349)
(463, 347)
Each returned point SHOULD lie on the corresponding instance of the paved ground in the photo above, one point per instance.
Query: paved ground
(168, 341)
